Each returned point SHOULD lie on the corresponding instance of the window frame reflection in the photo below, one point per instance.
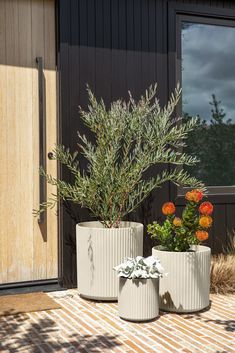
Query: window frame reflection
(213, 190)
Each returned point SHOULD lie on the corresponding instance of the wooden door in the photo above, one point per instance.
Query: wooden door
(28, 250)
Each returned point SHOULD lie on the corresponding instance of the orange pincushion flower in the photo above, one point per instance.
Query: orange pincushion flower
(202, 235)
(168, 208)
(206, 208)
(177, 222)
(205, 221)
(194, 195)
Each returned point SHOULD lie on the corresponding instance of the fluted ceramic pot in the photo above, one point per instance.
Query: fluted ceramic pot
(186, 286)
(138, 299)
(99, 250)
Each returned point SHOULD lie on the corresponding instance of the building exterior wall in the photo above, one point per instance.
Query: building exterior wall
(116, 46)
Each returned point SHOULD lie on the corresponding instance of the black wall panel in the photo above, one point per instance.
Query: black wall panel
(116, 46)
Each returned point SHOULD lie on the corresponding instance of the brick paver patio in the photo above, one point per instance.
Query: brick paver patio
(86, 326)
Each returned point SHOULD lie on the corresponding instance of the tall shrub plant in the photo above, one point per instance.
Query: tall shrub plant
(130, 137)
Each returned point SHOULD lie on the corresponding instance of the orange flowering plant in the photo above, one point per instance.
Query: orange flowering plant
(178, 234)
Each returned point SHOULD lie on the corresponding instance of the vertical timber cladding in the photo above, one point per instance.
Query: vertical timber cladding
(28, 251)
(114, 46)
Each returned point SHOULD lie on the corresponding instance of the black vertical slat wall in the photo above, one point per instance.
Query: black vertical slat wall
(116, 46)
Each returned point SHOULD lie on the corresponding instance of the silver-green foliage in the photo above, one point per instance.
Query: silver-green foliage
(140, 267)
(130, 138)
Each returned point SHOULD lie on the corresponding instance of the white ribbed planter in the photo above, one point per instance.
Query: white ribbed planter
(99, 250)
(138, 299)
(186, 286)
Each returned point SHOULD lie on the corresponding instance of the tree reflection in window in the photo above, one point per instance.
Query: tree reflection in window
(208, 83)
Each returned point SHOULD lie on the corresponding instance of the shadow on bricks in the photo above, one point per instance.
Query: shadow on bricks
(19, 334)
(229, 325)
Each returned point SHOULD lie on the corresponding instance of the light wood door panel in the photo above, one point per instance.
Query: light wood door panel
(28, 251)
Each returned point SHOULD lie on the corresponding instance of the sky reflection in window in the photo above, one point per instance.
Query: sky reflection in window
(208, 84)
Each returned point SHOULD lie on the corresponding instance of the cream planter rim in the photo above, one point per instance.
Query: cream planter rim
(99, 250)
(193, 248)
(138, 279)
(89, 224)
(186, 286)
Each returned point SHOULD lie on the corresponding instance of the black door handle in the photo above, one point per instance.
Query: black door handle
(50, 155)
(42, 135)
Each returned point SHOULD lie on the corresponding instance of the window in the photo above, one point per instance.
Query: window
(207, 69)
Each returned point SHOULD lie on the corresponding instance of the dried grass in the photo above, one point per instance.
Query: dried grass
(223, 274)
(230, 249)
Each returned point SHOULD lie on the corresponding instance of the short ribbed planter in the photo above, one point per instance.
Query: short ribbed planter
(138, 299)
(99, 249)
(186, 286)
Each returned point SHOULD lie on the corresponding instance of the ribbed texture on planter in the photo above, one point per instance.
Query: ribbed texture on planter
(138, 299)
(186, 287)
(100, 249)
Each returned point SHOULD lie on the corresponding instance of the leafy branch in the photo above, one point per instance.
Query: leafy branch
(130, 137)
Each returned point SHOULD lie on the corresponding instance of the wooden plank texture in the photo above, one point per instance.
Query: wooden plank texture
(3, 136)
(27, 29)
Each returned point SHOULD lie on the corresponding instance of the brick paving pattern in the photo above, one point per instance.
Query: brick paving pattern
(86, 326)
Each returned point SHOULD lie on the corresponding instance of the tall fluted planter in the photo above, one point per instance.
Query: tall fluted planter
(186, 286)
(99, 249)
(138, 299)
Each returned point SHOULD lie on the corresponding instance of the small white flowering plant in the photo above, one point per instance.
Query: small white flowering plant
(140, 267)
